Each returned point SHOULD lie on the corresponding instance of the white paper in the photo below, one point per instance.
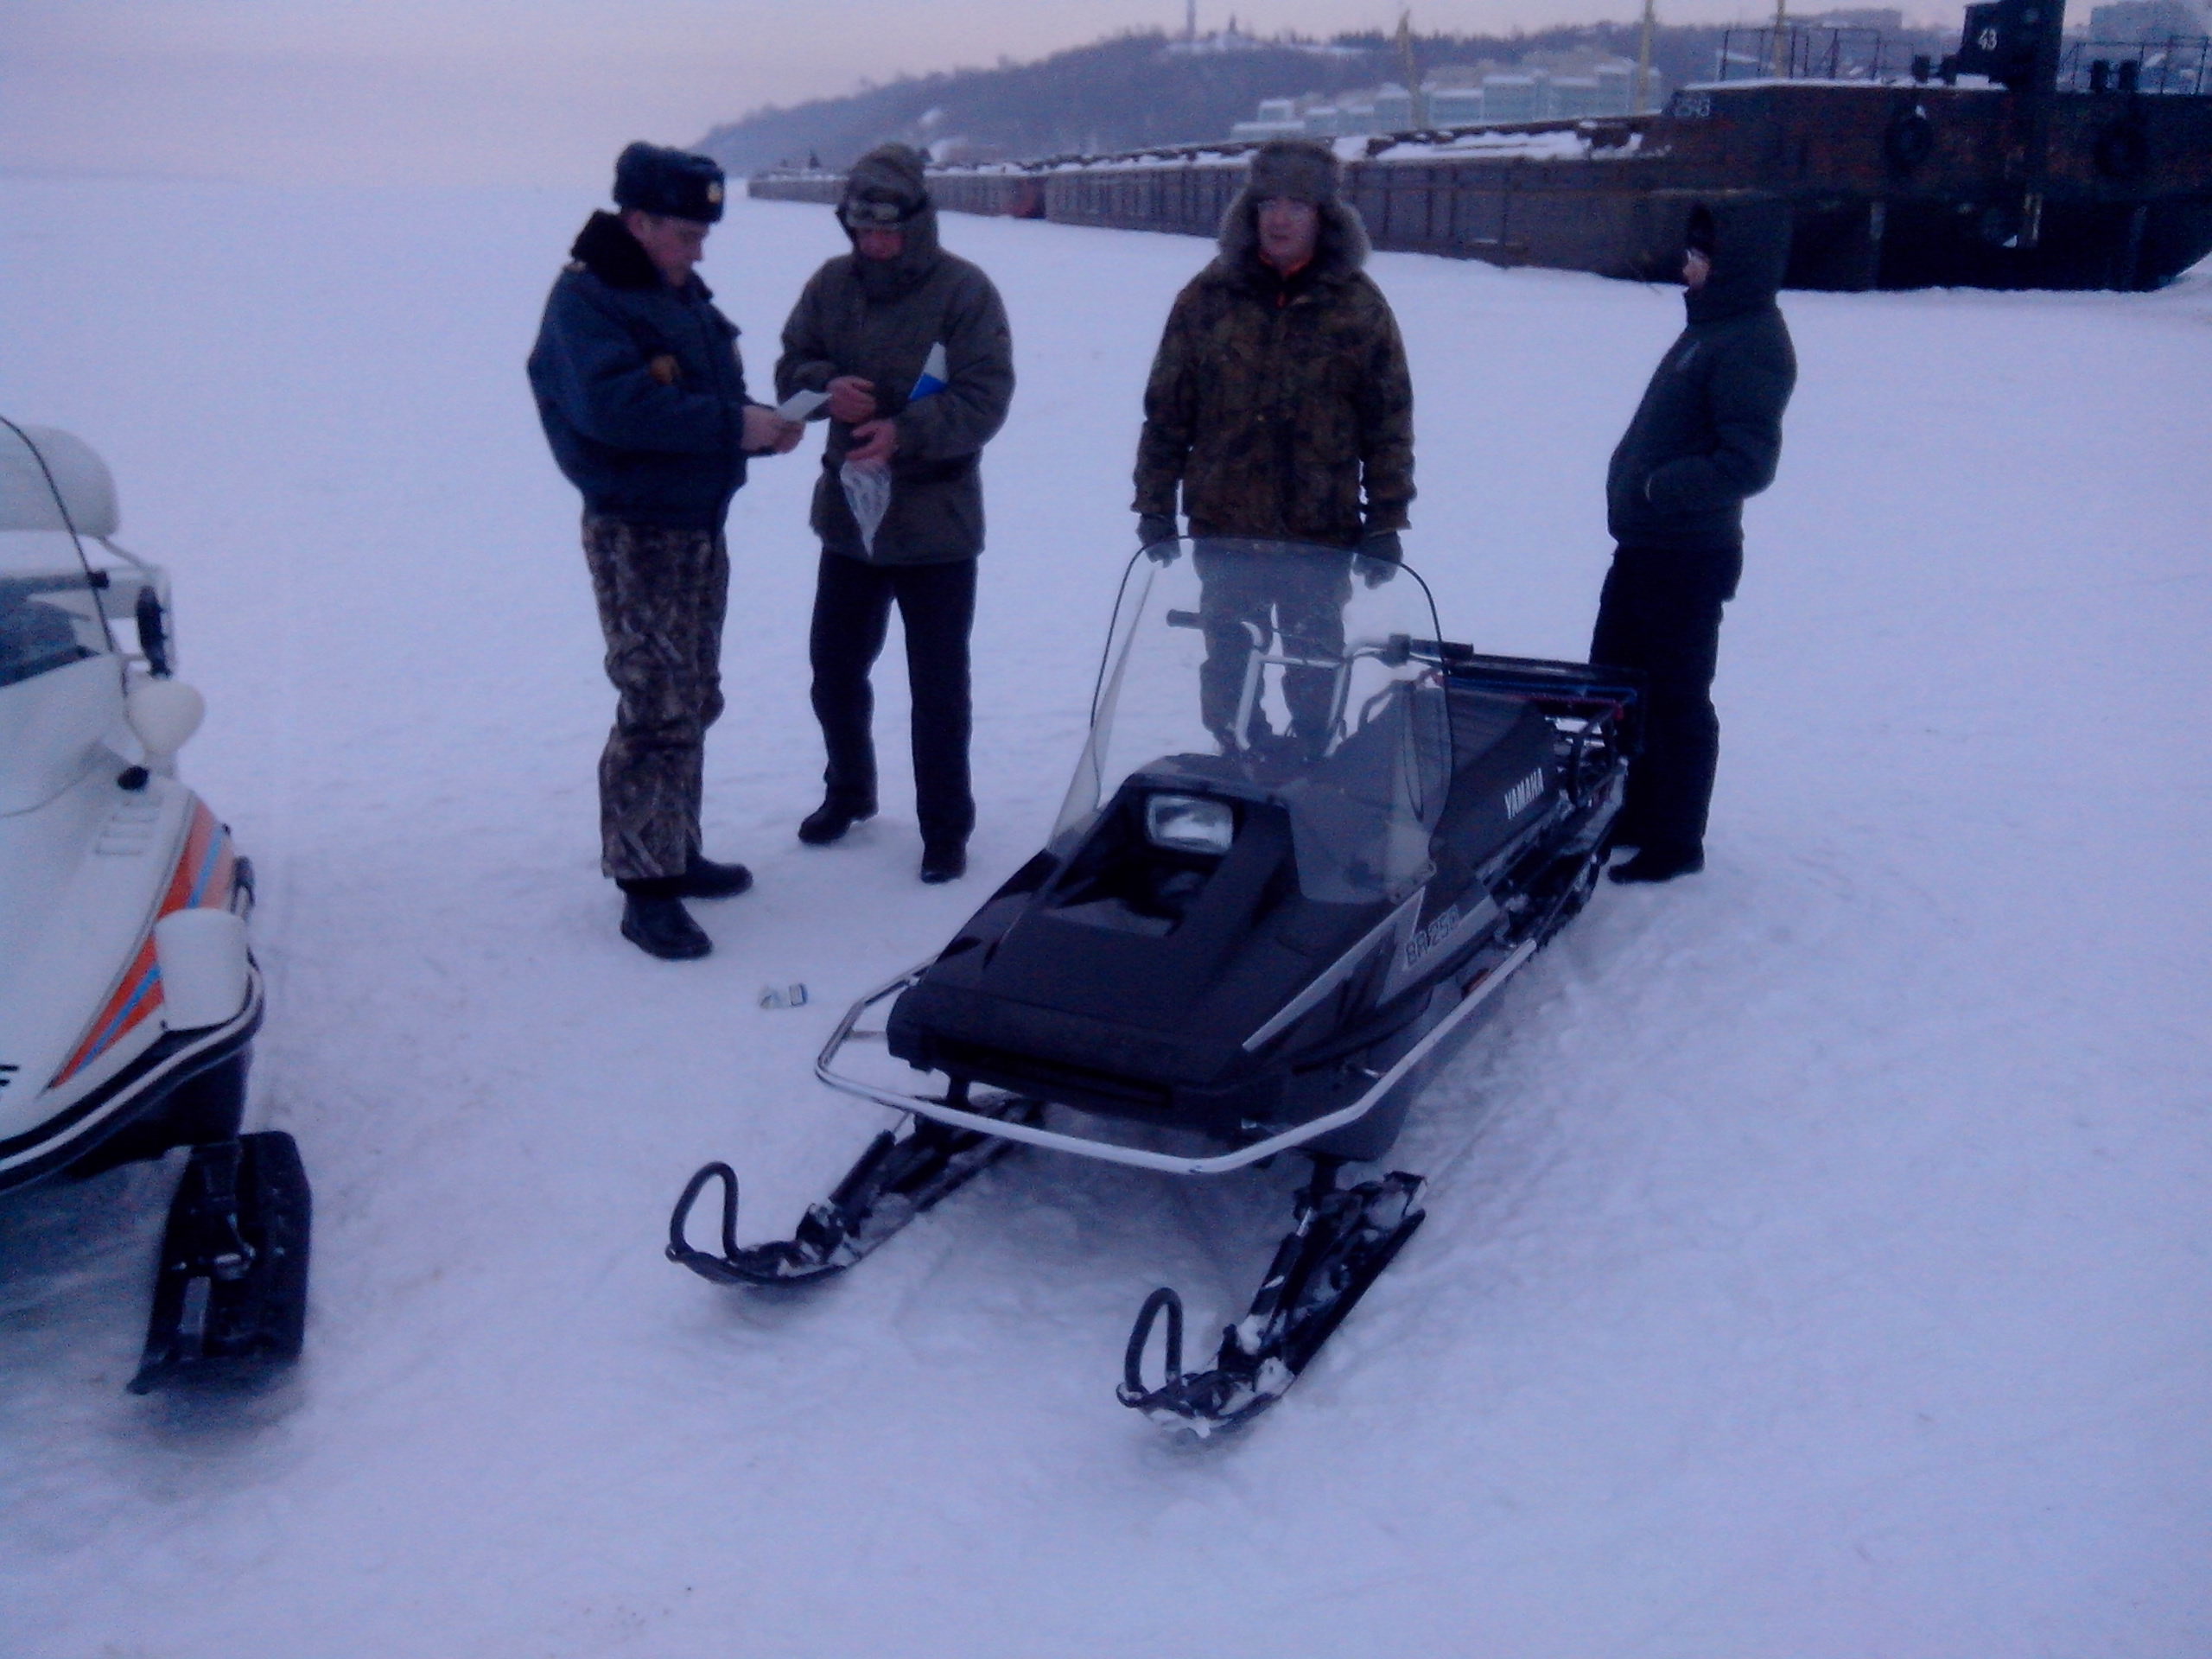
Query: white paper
(800, 405)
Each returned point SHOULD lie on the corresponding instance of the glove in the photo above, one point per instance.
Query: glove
(1155, 528)
(1384, 553)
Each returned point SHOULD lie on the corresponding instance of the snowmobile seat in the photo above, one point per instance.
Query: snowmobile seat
(1504, 754)
(1480, 721)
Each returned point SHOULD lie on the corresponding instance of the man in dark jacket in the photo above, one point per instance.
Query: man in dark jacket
(1280, 408)
(1706, 435)
(642, 395)
(867, 331)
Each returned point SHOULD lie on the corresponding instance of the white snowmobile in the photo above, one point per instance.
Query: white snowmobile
(1306, 840)
(128, 996)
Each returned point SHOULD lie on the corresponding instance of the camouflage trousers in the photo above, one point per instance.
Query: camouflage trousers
(662, 592)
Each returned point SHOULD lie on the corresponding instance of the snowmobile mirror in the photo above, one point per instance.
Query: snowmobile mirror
(1189, 823)
(152, 634)
(163, 715)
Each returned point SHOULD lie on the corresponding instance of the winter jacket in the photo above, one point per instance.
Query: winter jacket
(1709, 432)
(640, 386)
(1276, 405)
(878, 319)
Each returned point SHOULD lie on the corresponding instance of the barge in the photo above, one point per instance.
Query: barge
(2019, 161)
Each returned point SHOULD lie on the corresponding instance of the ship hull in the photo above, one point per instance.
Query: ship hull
(1892, 186)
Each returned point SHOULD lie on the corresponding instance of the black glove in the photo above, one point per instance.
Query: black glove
(1384, 551)
(1155, 528)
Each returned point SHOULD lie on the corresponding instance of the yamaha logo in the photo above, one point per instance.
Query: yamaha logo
(1522, 795)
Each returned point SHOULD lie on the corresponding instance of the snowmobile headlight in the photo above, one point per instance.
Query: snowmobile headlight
(1189, 824)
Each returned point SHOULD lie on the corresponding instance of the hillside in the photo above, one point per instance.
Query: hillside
(1137, 89)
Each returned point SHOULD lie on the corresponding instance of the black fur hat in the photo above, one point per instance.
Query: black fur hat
(675, 182)
(1297, 169)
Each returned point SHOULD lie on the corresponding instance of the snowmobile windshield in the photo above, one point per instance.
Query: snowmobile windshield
(50, 610)
(1279, 672)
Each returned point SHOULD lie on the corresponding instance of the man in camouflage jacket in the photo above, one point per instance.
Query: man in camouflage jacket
(1280, 408)
(642, 396)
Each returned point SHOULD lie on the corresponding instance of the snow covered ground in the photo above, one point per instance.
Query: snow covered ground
(1818, 1254)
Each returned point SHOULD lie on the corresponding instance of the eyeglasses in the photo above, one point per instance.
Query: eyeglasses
(864, 215)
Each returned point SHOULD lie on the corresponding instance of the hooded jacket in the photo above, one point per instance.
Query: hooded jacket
(1709, 432)
(640, 386)
(878, 319)
(1281, 407)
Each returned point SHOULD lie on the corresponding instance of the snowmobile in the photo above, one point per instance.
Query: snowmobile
(129, 998)
(1307, 840)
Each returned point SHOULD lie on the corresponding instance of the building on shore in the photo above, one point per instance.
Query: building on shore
(1541, 87)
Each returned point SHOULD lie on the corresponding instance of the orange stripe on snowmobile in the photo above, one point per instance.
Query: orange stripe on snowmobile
(206, 872)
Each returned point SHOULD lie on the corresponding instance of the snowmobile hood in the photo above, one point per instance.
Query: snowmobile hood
(83, 883)
(1269, 757)
(82, 880)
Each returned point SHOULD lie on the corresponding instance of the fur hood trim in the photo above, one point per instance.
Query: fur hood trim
(605, 249)
(1341, 248)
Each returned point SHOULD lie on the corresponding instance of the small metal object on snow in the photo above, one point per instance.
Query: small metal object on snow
(783, 996)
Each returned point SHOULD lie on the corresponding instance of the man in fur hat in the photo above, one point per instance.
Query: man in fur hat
(642, 396)
(1280, 408)
(911, 347)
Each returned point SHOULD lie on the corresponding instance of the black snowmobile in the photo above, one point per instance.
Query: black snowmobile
(1307, 840)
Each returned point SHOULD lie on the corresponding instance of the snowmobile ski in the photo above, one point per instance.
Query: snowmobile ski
(230, 1301)
(907, 1171)
(1338, 1245)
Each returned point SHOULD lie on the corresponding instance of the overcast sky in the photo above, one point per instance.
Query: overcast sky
(542, 91)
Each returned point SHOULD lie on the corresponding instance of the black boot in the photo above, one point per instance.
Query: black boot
(944, 860)
(1659, 864)
(830, 821)
(654, 919)
(704, 879)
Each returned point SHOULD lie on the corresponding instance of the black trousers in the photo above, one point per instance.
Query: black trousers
(852, 614)
(1660, 613)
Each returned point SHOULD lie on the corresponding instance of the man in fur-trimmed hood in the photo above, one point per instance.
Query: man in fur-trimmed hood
(1279, 404)
(910, 344)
